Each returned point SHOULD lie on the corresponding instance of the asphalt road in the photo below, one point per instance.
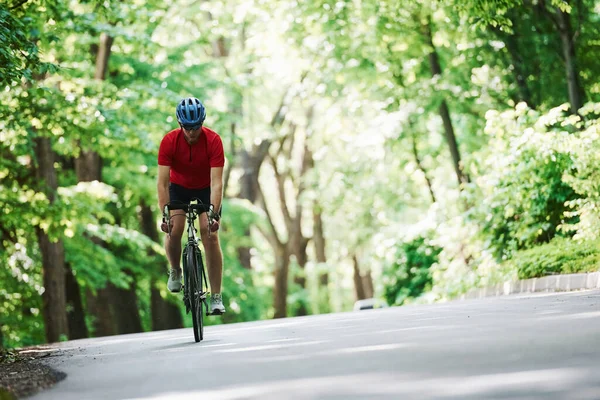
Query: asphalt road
(544, 346)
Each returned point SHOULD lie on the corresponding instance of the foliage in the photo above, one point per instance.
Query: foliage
(560, 256)
(20, 300)
(584, 177)
(464, 261)
(523, 195)
(18, 51)
(538, 190)
(409, 276)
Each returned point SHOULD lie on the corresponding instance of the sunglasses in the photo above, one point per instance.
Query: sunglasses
(191, 127)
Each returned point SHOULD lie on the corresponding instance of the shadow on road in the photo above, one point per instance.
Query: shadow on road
(189, 344)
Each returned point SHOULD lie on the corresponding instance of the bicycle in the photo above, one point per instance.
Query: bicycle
(195, 287)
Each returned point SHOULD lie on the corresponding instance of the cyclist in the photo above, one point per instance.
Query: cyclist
(190, 165)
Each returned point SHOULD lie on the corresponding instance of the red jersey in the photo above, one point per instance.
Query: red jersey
(191, 164)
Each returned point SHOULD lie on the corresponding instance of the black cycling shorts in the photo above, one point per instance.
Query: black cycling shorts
(178, 193)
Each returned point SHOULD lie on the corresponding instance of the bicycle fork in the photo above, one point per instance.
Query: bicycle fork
(187, 297)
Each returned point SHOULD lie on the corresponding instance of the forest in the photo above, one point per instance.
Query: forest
(404, 151)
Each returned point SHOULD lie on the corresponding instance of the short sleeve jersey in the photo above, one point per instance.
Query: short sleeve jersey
(191, 164)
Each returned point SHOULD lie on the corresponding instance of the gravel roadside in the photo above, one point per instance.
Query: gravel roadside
(23, 374)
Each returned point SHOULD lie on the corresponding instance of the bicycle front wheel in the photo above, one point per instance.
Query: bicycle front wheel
(195, 293)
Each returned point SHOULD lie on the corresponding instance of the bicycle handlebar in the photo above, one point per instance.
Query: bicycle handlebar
(200, 207)
(186, 207)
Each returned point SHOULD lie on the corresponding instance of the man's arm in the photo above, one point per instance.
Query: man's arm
(163, 186)
(216, 187)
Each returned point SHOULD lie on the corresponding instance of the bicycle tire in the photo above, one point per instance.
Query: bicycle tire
(195, 291)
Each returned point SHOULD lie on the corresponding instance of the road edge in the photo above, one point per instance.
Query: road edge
(551, 283)
(28, 373)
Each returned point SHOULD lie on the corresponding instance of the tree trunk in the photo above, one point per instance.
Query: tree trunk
(75, 312)
(220, 48)
(165, 315)
(54, 296)
(281, 249)
(519, 68)
(300, 280)
(115, 309)
(358, 282)
(103, 56)
(319, 240)
(297, 240)
(88, 168)
(124, 302)
(251, 163)
(126, 310)
(568, 47)
(321, 256)
(282, 264)
(233, 155)
(367, 281)
(436, 69)
(99, 307)
(248, 191)
(451, 138)
(53, 254)
(422, 168)
(249, 179)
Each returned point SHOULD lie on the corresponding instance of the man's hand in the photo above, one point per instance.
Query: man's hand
(214, 226)
(164, 227)
(213, 219)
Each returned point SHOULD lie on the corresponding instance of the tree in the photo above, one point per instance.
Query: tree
(53, 257)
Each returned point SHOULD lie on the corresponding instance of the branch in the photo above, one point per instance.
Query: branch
(274, 238)
(292, 136)
(263, 149)
(579, 20)
(551, 14)
(287, 153)
(307, 164)
(233, 152)
(310, 113)
(282, 198)
(279, 116)
(270, 238)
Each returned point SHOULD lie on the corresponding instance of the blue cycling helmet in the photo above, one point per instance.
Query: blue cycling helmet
(190, 112)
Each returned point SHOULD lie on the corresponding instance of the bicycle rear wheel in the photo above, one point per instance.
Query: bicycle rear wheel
(195, 293)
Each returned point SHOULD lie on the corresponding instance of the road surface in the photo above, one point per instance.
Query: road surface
(543, 346)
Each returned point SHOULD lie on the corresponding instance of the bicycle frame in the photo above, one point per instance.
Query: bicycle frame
(191, 216)
(194, 295)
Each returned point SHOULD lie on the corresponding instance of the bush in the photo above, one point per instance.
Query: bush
(560, 256)
(524, 198)
(409, 275)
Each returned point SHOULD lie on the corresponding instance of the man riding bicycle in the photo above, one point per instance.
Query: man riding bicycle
(190, 166)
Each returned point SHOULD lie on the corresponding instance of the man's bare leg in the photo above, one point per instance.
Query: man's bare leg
(173, 250)
(214, 261)
(214, 256)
